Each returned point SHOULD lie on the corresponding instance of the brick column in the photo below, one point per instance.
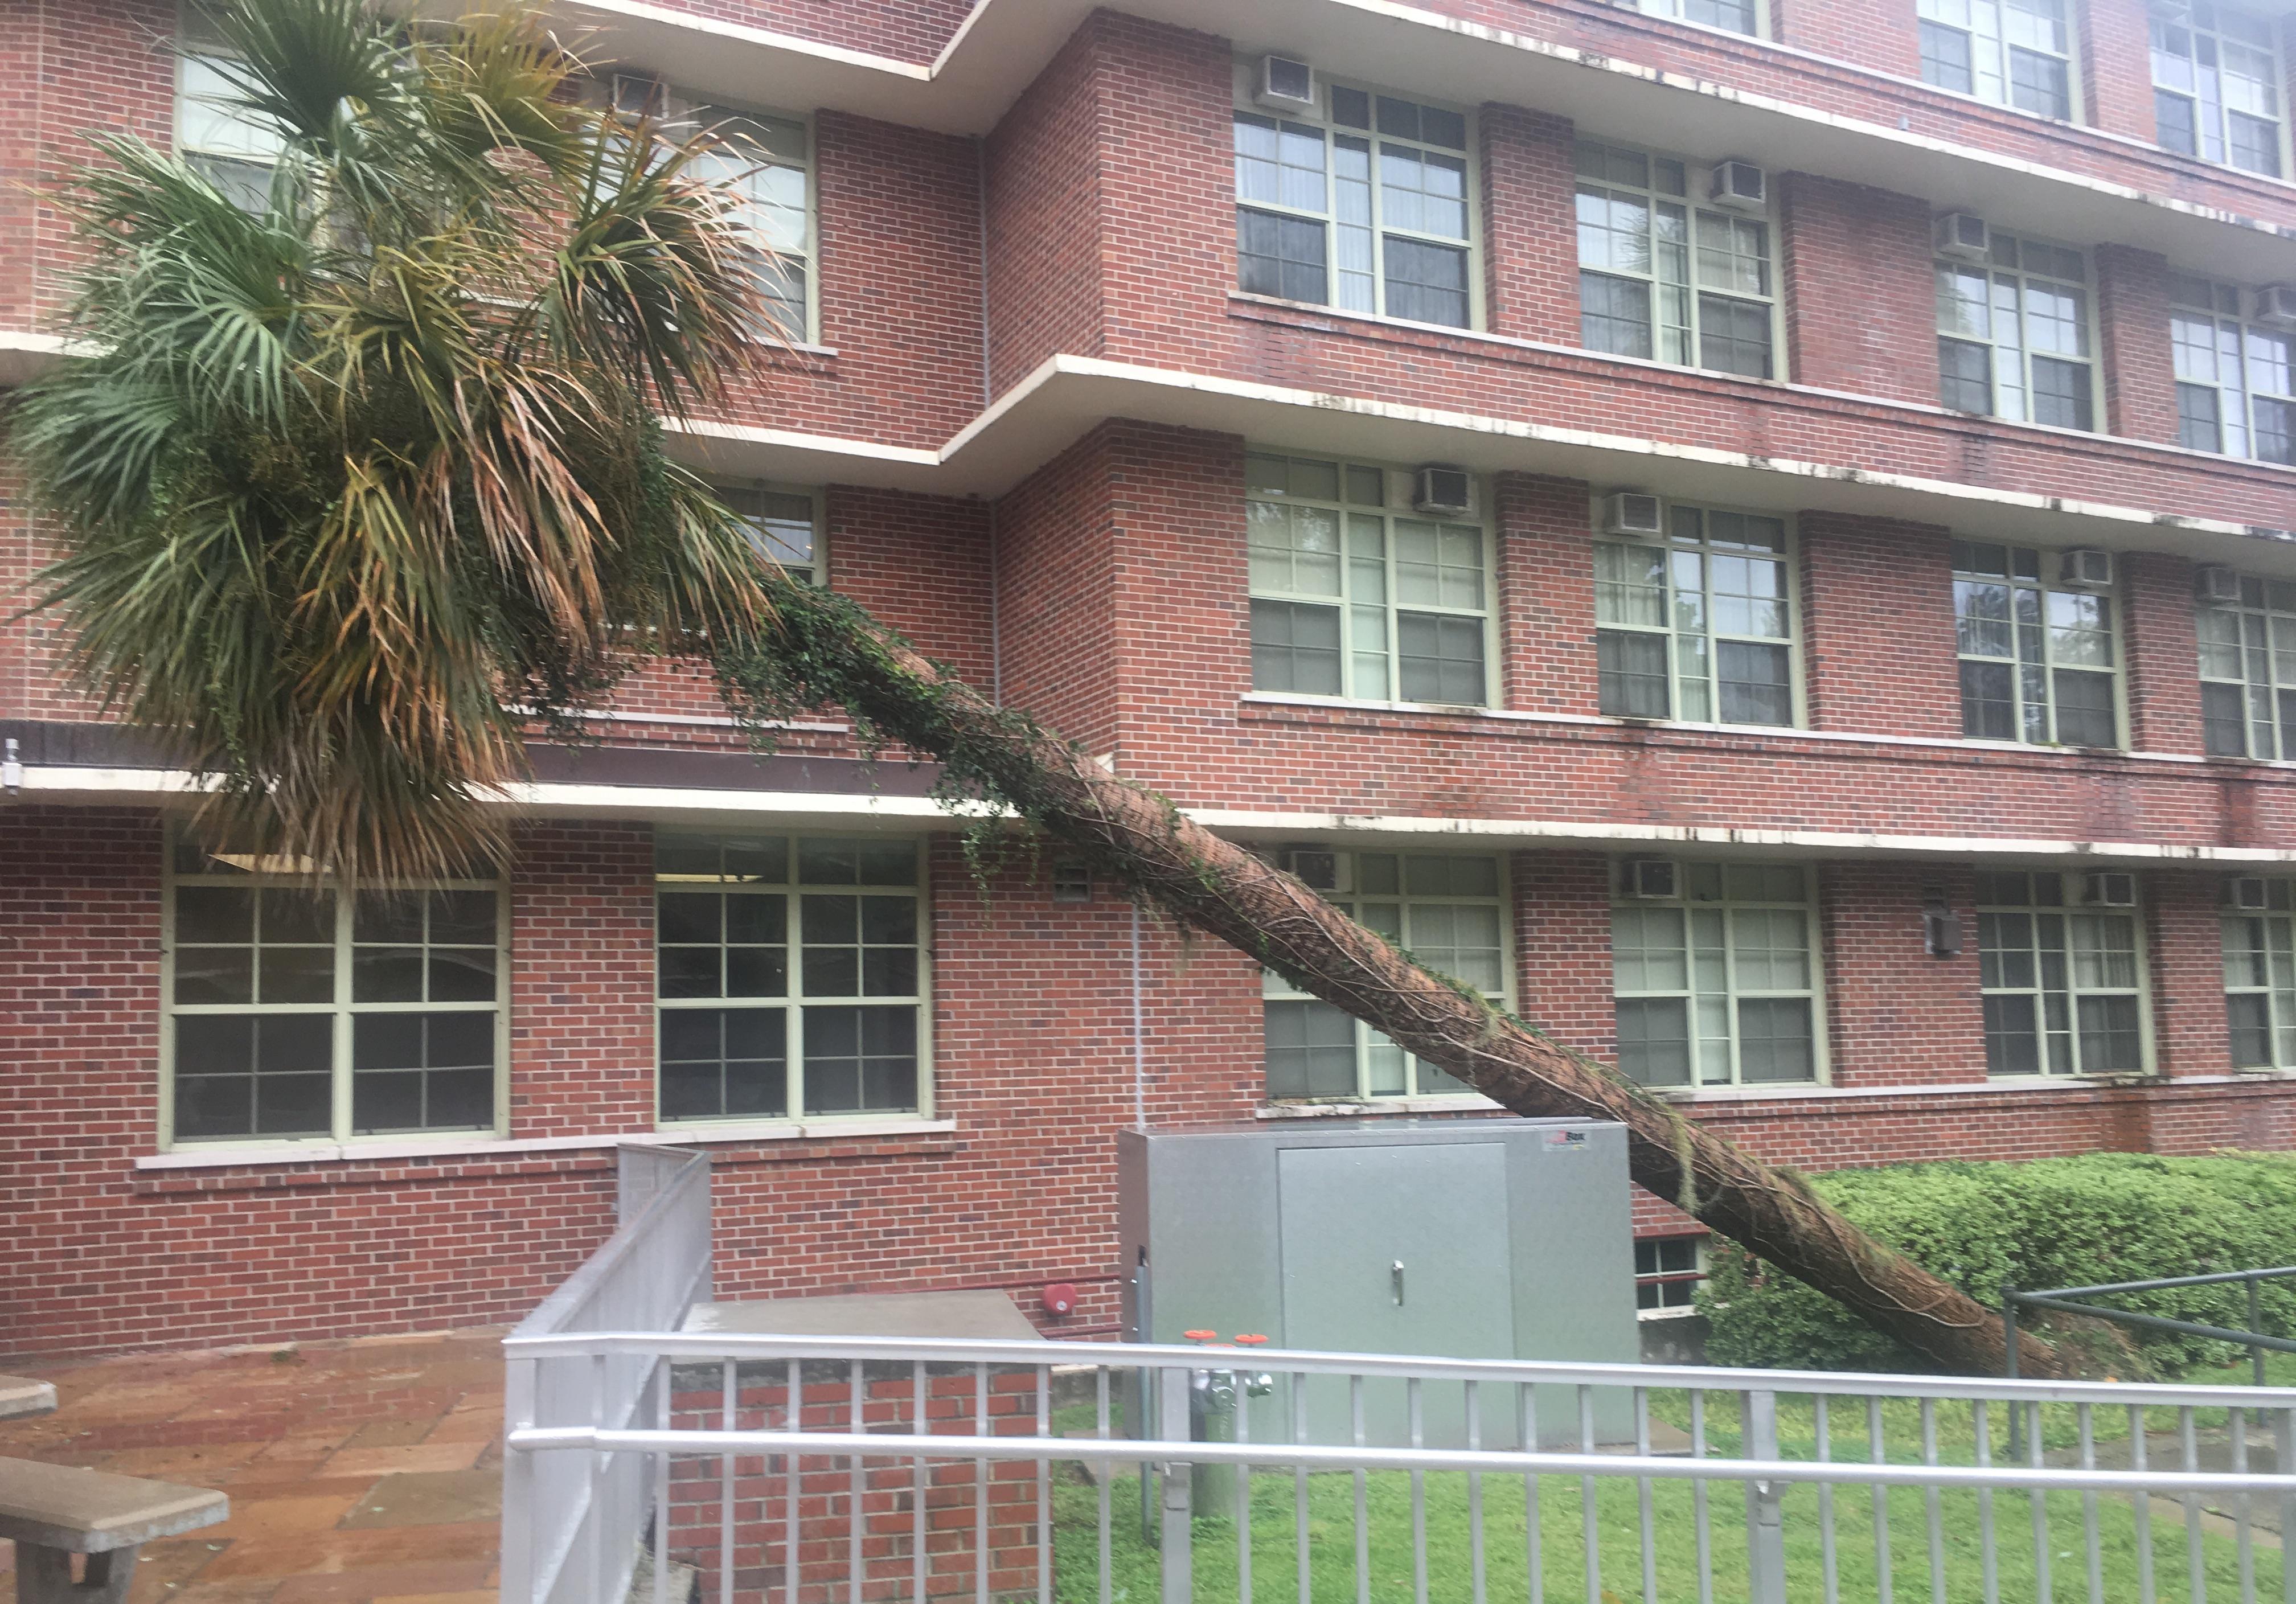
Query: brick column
(2116, 62)
(2162, 653)
(1873, 33)
(1531, 251)
(2184, 954)
(1560, 903)
(1860, 302)
(1878, 648)
(2132, 320)
(581, 980)
(1896, 1016)
(1546, 595)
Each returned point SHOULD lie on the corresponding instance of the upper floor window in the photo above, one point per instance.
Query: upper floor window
(1701, 627)
(2037, 658)
(2012, 52)
(2259, 970)
(2216, 85)
(791, 976)
(1662, 278)
(2236, 381)
(2248, 671)
(783, 525)
(1364, 209)
(1446, 910)
(231, 147)
(1354, 595)
(1738, 16)
(2013, 335)
(2059, 972)
(1714, 969)
(297, 1012)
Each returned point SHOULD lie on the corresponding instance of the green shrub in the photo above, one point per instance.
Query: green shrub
(2050, 1223)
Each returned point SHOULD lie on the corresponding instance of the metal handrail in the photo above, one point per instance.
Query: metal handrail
(2059, 1299)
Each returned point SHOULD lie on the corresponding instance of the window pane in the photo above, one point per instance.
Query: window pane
(1631, 674)
(1614, 315)
(1425, 282)
(1441, 659)
(1311, 1049)
(1754, 683)
(1655, 1041)
(860, 1060)
(1296, 647)
(1280, 256)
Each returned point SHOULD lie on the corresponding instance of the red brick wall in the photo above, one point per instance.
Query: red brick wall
(1860, 303)
(1872, 33)
(2115, 51)
(1531, 267)
(2184, 939)
(1894, 1014)
(1878, 643)
(2161, 638)
(1546, 595)
(1044, 217)
(1561, 914)
(2138, 366)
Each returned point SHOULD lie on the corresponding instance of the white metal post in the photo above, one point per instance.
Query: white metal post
(1172, 1396)
(1766, 1535)
(518, 1484)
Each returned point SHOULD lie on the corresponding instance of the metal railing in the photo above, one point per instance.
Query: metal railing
(2061, 1299)
(571, 1523)
(842, 1470)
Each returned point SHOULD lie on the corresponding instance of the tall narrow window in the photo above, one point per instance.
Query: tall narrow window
(791, 976)
(302, 1012)
(1350, 597)
(2012, 52)
(1700, 627)
(2013, 337)
(1664, 279)
(1448, 911)
(783, 525)
(232, 148)
(2062, 986)
(1717, 985)
(2037, 658)
(2216, 85)
(1365, 209)
(2248, 671)
(2259, 970)
(2235, 381)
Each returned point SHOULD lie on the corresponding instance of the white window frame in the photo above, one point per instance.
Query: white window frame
(342, 1010)
(1756, 11)
(2180, 76)
(2259, 948)
(1323, 124)
(2009, 388)
(2218, 355)
(1674, 340)
(2022, 667)
(1705, 885)
(736, 493)
(1374, 1055)
(1990, 37)
(1353, 602)
(793, 1001)
(236, 153)
(1675, 547)
(1991, 907)
(1660, 1281)
(2248, 654)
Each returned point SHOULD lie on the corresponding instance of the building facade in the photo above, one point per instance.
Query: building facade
(1758, 531)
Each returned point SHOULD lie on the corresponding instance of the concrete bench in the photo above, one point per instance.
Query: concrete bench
(54, 1511)
(22, 1395)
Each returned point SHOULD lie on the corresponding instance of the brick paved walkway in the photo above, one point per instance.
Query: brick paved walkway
(362, 1472)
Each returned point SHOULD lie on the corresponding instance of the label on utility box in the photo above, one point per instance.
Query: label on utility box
(1567, 1139)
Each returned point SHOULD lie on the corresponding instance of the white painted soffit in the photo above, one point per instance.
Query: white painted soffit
(1004, 44)
(1068, 396)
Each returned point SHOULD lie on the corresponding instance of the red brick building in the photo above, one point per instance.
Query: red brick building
(1841, 663)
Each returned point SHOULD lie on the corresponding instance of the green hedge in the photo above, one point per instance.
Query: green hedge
(2050, 1223)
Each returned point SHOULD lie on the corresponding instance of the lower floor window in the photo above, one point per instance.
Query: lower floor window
(2061, 982)
(1714, 969)
(790, 977)
(1446, 911)
(1667, 1271)
(2259, 970)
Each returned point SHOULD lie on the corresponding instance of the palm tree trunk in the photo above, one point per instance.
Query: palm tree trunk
(820, 649)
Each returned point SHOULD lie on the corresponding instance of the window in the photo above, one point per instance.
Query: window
(1660, 278)
(2259, 969)
(783, 525)
(2012, 52)
(1350, 598)
(1366, 211)
(1667, 1270)
(1738, 16)
(1447, 912)
(231, 149)
(1717, 986)
(2216, 85)
(2036, 661)
(2062, 986)
(2013, 339)
(2248, 672)
(297, 1012)
(791, 976)
(1700, 627)
(2235, 381)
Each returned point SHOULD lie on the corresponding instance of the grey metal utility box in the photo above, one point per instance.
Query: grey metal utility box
(1480, 1239)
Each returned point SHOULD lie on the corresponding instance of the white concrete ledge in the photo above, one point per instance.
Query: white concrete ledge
(447, 1150)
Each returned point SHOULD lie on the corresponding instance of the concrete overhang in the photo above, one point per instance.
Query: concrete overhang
(1068, 396)
(1004, 44)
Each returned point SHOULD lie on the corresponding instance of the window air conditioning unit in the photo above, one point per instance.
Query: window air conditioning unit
(2109, 890)
(1284, 84)
(2216, 584)
(1652, 879)
(1740, 186)
(1631, 512)
(635, 95)
(1318, 866)
(2276, 303)
(2086, 567)
(1441, 491)
(2246, 892)
(1964, 237)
